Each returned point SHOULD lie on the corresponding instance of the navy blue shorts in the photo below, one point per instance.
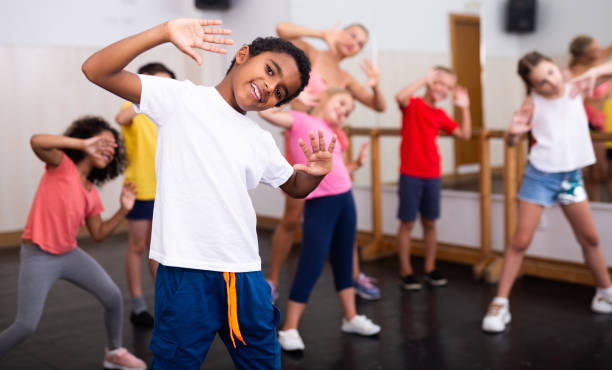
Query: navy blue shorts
(143, 210)
(191, 308)
(418, 195)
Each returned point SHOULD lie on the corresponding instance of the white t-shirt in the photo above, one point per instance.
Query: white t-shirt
(208, 157)
(561, 131)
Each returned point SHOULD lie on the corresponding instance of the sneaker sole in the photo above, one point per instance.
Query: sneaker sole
(110, 365)
(411, 286)
(507, 321)
(367, 296)
(361, 334)
(437, 283)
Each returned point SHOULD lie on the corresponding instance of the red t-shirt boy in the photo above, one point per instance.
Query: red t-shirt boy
(419, 190)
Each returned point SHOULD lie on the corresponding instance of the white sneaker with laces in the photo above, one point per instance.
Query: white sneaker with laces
(290, 340)
(497, 317)
(601, 303)
(360, 325)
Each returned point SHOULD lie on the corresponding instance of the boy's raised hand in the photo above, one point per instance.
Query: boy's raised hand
(98, 146)
(187, 34)
(128, 196)
(462, 98)
(319, 159)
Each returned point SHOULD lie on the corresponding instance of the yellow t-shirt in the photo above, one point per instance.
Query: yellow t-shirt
(608, 112)
(140, 138)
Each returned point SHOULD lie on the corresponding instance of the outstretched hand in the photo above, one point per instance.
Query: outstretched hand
(189, 34)
(99, 146)
(331, 36)
(372, 72)
(319, 159)
(521, 119)
(363, 152)
(128, 196)
(584, 83)
(309, 99)
(462, 98)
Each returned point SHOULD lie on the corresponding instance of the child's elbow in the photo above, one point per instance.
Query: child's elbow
(88, 70)
(34, 141)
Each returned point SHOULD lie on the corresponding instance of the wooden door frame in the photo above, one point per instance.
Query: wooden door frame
(453, 19)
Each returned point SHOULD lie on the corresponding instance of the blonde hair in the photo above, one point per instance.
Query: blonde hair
(445, 70)
(332, 91)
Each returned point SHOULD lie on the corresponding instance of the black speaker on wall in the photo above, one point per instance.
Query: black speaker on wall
(212, 4)
(521, 16)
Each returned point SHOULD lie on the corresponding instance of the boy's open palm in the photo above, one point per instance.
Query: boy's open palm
(319, 159)
(462, 98)
(189, 34)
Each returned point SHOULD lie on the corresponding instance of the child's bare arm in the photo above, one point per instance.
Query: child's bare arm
(47, 147)
(370, 93)
(99, 229)
(462, 100)
(353, 166)
(520, 123)
(294, 33)
(307, 177)
(586, 82)
(404, 94)
(105, 68)
(125, 115)
(277, 117)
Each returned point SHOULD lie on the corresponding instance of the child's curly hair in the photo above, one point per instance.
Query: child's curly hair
(90, 126)
(278, 45)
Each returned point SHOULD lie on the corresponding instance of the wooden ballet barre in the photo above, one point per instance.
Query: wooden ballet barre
(376, 248)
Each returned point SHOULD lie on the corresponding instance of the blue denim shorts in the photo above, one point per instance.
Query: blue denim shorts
(546, 188)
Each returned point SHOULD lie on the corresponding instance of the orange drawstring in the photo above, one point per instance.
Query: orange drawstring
(232, 306)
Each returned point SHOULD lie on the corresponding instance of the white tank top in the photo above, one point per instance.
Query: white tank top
(561, 131)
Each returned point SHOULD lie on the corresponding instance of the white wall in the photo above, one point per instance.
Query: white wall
(42, 47)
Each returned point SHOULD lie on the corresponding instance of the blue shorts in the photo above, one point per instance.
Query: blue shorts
(418, 195)
(191, 308)
(143, 210)
(546, 188)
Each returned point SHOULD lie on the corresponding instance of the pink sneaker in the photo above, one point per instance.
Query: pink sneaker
(122, 359)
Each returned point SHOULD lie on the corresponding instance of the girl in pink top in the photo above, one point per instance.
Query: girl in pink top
(330, 222)
(89, 153)
(325, 73)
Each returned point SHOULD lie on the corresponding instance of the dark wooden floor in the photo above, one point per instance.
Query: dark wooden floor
(553, 327)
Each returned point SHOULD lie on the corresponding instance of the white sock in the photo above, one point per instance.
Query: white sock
(501, 300)
(605, 291)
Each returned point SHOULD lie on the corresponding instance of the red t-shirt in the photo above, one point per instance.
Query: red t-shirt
(421, 125)
(60, 207)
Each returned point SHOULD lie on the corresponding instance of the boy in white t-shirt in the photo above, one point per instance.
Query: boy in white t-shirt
(209, 154)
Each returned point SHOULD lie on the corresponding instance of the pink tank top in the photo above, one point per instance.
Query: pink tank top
(597, 118)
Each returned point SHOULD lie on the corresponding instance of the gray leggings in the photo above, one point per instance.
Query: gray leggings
(39, 270)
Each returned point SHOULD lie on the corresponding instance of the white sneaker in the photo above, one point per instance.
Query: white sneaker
(290, 340)
(498, 316)
(601, 303)
(360, 325)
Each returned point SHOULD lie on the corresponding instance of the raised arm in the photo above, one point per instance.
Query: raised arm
(586, 82)
(520, 123)
(307, 177)
(277, 117)
(404, 94)
(99, 229)
(353, 166)
(294, 33)
(462, 100)
(105, 68)
(48, 147)
(125, 115)
(370, 93)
